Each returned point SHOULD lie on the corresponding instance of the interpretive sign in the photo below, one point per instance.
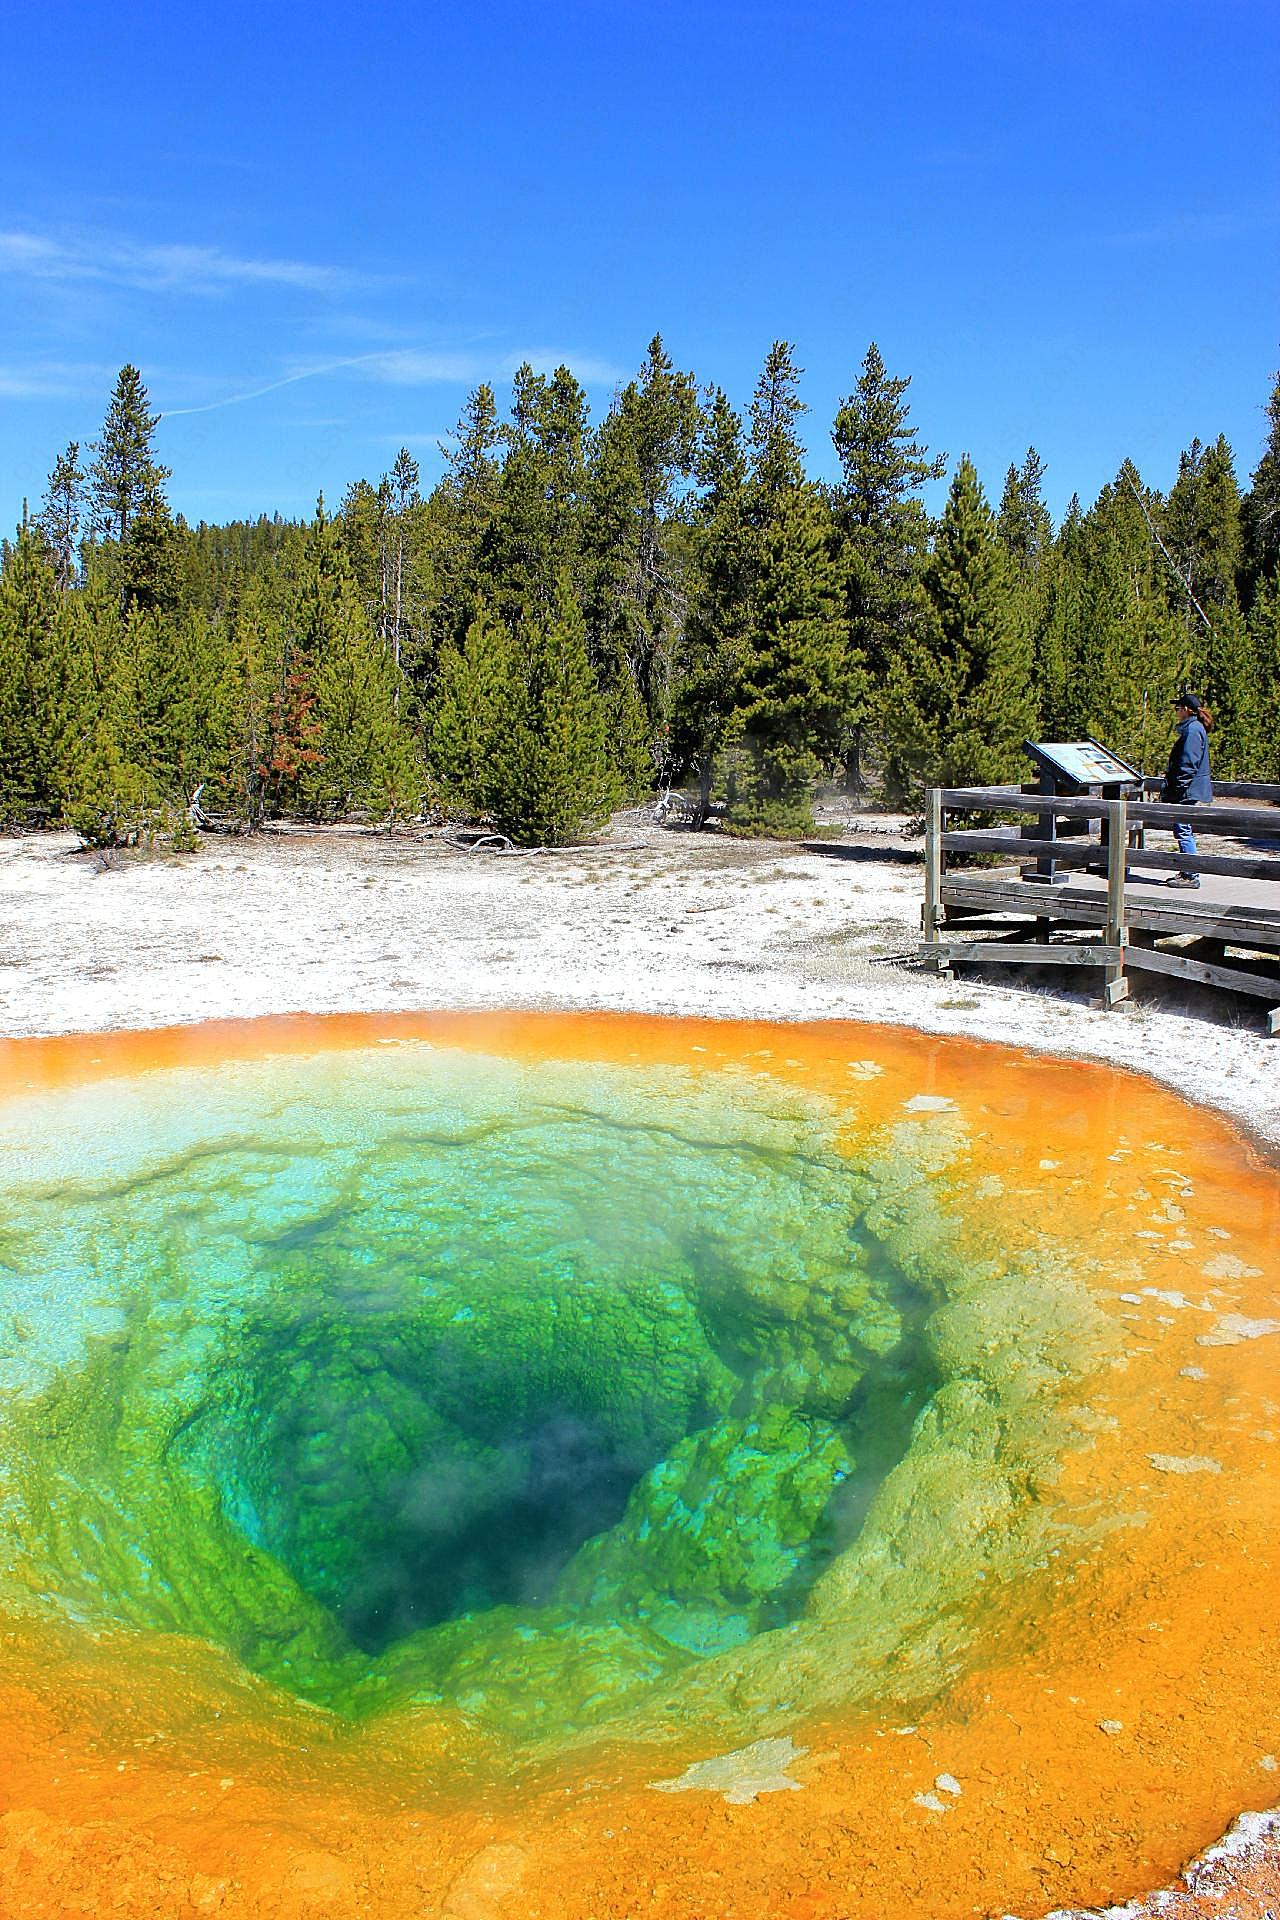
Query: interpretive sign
(1081, 763)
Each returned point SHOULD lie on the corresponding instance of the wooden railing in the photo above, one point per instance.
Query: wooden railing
(1073, 851)
(1110, 852)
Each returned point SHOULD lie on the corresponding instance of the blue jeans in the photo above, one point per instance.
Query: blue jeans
(1185, 838)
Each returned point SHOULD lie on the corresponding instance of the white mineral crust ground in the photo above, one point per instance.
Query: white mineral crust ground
(649, 921)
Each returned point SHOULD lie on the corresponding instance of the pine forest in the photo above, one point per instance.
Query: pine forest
(581, 613)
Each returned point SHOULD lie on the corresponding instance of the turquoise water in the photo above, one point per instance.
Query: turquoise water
(410, 1375)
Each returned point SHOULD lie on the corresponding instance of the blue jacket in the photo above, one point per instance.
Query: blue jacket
(1187, 775)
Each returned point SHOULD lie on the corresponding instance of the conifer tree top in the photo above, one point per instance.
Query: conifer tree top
(126, 471)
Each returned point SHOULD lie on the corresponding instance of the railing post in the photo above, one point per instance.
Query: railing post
(1115, 986)
(932, 915)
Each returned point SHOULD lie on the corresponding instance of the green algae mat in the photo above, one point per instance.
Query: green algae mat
(548, 1394)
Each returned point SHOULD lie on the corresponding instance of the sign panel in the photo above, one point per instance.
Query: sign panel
(1084, 762)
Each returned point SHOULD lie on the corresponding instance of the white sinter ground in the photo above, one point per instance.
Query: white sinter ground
(648, 920)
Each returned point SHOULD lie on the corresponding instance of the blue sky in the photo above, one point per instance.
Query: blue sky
(1062, 222)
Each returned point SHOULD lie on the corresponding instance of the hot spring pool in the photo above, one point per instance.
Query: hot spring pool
(526, 1464)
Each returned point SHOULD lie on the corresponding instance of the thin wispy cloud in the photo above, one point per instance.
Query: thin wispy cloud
(255, 393)
(167, 268)
(398, 368)
(421, 367)
(415, 367)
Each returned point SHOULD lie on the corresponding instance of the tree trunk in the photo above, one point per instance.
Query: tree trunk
(853, 781)
(704, 794)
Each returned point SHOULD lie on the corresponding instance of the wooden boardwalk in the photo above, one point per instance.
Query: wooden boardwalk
(1115, 913)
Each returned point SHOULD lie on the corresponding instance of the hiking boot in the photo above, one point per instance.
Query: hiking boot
(1183, 880)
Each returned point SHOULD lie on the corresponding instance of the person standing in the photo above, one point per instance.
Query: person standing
(1186, 779)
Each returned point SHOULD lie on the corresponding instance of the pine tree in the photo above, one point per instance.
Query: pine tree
(959, 702)
(789, 681)
(406, 500)
(777, 457)
(149, 562)
(101, 625)
(554, 776)
(241, 706)
(320, 600)
(884, 531)
(1264, 633)
(792, 693)
(1132, 653)
(61, 514)
(48, 686)
(67, 694)
(28, 607)
(113, 794)
(1203, 539)
(201, 646)
(634, 593)
(14, 750)
(1260, 511)
(357, 753)
(1200, 526)
(473, 468)
(1059, 633)
(1235, 691)
(478, 689)
(125, 473)
(459, 521)
(1026, 533)
(619, 637)
(216, 561)
(143, 694)
(632, 749)
(723, 564)
(536, 531)
(367, 761)
(362, 525)
(1023, 521)
(110, 800)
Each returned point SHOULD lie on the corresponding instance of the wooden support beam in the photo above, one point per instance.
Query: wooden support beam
(1115, 986)
(996, 894)
(933, 838)
(1084, 953)
(1181, 966)
(1117, 853)
(1239, 926)
(968, 917)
